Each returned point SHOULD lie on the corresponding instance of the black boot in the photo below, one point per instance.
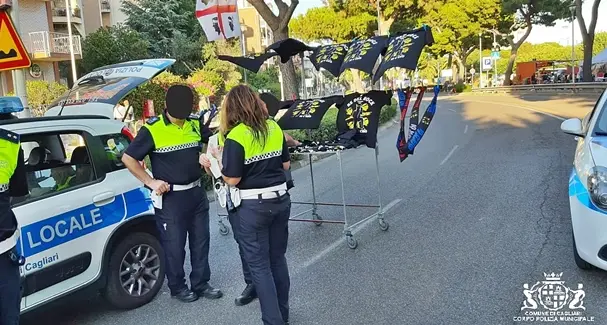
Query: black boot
(247, 295)
(185, 295)
(210, 292)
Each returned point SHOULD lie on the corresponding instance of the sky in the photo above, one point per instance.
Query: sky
(560, 33)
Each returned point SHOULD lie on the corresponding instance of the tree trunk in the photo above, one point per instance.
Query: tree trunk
(289, 77)
(587, 64)
(510, 65)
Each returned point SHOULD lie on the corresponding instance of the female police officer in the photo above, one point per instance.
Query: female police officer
(254, 158)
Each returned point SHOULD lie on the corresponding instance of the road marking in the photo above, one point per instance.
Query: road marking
(452, 110)
(336, 243)
(466, 129)
(522, 107)
(449, 154)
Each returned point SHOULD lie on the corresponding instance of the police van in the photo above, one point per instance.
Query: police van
(87, 222)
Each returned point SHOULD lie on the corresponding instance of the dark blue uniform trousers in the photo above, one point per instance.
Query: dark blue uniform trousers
(235, 223)
(10, 291)
(264, 234)
(185, 213)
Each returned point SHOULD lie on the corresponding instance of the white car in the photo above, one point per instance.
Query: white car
(588, 187)
(87, 222)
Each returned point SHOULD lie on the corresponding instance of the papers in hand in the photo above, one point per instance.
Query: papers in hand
(213, 145)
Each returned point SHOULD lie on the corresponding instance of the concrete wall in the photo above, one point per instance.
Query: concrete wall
(116, 15)
(91, 14)
(32, 18)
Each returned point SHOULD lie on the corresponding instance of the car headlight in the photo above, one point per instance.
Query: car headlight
(597, 186)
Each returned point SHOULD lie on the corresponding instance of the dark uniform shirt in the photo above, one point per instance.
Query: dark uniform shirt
(17, 187)
(173, 150)
(258, 167)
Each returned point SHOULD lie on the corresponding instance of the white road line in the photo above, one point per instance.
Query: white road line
(522, 107)
(449, 154)
(466, 129)
(336, 243)
(452, 110)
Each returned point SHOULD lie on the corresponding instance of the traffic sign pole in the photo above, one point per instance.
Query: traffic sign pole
(19, 74)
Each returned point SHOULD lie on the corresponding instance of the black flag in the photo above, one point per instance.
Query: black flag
(273, 104)
(363, 53)
(287, 48)
(404, 50)
(251, 63)
(307, 114)
(330, 57)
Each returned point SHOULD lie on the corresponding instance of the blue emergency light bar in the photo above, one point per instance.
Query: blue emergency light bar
(10, 104)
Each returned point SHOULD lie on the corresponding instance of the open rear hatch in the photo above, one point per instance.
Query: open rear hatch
(100, 91)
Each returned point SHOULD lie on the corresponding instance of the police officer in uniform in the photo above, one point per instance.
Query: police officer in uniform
(13, 183)
(255, 157)
(173, 143)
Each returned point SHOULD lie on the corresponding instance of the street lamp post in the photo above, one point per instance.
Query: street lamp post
(480, 59)
(573, 74)
(68, 10)
(381, 79)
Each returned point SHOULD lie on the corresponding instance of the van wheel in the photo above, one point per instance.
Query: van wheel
(136, 271)
(578, 259)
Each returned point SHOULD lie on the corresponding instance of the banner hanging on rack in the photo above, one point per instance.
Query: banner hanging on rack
(307, 114)
(251, 63)
(360, 113)
(404, 50)
(218, 18)
(363, 54)
(330, 57)
(421, 128)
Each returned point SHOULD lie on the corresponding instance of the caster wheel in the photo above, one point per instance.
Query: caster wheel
(317, 217)
(352, 242)
(223, 230)
(383, 225)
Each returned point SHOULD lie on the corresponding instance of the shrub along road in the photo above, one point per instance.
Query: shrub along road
(480, 210)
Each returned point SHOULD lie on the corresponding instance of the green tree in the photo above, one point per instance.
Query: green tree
(279, 24)
(111, 45)
(526, 14)
(171, 29)
(456, 26)
(266, 79)
(600, 42)
(216, 77)
(587, 35)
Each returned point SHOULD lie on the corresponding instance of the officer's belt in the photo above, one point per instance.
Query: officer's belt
(185, 187)
(264, 193)
(3, 188)
(9, 243)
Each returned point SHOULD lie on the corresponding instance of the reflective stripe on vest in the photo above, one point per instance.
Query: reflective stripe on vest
(253, 150)
(65, 184)
(169, 137)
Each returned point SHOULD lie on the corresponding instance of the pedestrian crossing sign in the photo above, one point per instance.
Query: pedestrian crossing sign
(12, 52)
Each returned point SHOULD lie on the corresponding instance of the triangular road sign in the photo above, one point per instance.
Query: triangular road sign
(12, 52)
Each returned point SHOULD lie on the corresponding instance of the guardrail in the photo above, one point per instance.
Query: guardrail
(580, 87)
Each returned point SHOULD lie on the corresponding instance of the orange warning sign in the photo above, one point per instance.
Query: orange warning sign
(12, 52)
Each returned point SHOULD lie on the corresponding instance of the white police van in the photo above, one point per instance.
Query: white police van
(87, 222)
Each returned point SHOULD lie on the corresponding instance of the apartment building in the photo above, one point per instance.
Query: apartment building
(257, 33)
(44, 32)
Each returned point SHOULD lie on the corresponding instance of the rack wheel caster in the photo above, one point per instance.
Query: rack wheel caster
(352, 242)
(317, 217)
(383, 225)
(223, 229)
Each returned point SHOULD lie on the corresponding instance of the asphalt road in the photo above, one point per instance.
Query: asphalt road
(480, 209)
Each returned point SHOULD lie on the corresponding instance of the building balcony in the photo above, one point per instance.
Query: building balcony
(51, 46)
(105, 6)
(59, 12)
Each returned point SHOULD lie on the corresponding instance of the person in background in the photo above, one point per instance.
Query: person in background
(254, 159)
(13, 183)
(174, 142)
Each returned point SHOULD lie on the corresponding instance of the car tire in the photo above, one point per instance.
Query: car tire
(144, 275)
(578, 259)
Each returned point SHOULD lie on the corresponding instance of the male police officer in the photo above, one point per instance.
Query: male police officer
(12, 184)
(174, 143)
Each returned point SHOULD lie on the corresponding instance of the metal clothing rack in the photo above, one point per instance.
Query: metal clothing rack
(348, 228)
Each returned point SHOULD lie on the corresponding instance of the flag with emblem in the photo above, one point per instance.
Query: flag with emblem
(218, 18)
